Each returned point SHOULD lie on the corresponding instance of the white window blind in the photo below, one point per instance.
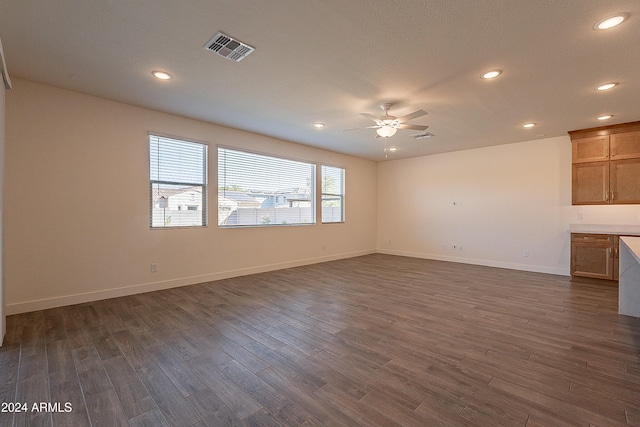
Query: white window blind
(178, 176)
(332, 194)
(260, 190)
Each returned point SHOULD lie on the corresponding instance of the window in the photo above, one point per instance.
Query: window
(260, 190)
(178, 174)
(332, 194)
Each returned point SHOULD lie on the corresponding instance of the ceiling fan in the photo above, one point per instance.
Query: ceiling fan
(387, 125)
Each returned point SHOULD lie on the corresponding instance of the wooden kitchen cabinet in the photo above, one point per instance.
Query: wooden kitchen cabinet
(592, 255)
(624, 181)
(624, 145)
(592, 149)
(606, 165)
(590, 183)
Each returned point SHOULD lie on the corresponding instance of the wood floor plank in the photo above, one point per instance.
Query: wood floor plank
(7, 395)
(212, 410)
(93, 377)
(32, 390)
(105, 410)
(240, 402)
(152, 418)
(275, 404)
(133, 395)
(168, 398)
(69, 396)
(291, 389)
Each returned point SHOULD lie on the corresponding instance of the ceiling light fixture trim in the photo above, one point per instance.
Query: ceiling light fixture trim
(161, 75)
(607, 86)
(491, 74)
(611, 21)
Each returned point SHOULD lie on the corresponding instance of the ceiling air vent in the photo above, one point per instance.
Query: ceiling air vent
(228, 47)
(422, 135)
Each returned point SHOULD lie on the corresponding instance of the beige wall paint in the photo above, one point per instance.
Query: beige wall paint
(3, 325)
(77, 197)
(515, 198)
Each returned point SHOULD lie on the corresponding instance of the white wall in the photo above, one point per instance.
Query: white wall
(514, 198)
(77, 198)
(3, 325)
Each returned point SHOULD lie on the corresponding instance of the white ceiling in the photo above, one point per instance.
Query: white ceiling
(329, 60)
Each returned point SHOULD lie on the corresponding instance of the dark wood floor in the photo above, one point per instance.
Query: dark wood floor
(373, 340)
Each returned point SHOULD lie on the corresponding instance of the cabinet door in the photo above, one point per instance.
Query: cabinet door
(592, 260)
(625, 181)
(592, 149)
(625, 145)
(590, 183)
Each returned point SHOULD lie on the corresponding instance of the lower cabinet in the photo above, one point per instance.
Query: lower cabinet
(594, 255)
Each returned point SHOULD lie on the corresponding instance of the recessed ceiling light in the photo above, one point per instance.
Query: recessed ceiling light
(392, 149)
(162, 75)
(605, 117)
(318, 125)
(528, 125)
(607, 86)
(611, 21)
(491, 74)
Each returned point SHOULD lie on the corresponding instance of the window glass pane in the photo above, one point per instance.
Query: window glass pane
(332, 194)
(178, 176)
(255, 189)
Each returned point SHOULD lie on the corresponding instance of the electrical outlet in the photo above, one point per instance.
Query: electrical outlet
(460, 248)
(525, 253)
(154, 268)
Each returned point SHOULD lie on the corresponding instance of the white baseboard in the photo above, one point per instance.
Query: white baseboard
(46, 303)
(483, 262)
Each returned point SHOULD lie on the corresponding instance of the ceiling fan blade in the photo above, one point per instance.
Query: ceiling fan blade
(408, 126)
(370, 116)
(368, 127)
(412, 116)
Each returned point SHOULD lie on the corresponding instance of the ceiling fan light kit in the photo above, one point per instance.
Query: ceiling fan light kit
(387, 125)
(386, 131)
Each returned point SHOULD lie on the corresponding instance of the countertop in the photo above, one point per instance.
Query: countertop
(629, 230)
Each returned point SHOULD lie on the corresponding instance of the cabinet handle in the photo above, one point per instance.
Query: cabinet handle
(613, 195)
(606, 196)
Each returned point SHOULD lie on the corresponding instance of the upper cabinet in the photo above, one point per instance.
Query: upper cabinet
(591, 149)
(606, 165)
(625, 145)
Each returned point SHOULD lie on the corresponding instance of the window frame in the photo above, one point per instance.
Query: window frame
(204, 185)
(312, 188)
(341, 195)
